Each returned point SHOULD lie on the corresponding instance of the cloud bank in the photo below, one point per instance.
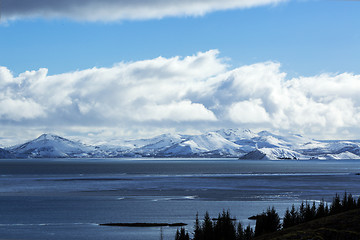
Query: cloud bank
(177, 94)
(111, 10)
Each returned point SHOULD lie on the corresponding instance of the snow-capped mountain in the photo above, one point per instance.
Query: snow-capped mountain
(273, 154)
(209, 144)
(237, 135)
(242, 143)
(51, 146)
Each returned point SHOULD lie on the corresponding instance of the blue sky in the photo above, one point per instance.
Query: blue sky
(293, 42)
(307, 37)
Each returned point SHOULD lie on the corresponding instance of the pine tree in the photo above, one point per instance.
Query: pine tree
(182, 234)
(177, 235)
(267, 222)
(207, 229)
(302, 213)
(240, 235)
(320, 212)
(344, 203)
(351, 202)
(308, 212)
(291, 218)
(197, 229)
(294, 215)
(313, 211)
(248, 233)
(327, 210)
(287, 222)
(336, 205)
(224, 227)
(274, 219)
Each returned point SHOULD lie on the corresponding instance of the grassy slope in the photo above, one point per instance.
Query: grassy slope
(337, 227)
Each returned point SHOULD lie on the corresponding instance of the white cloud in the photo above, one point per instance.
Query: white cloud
(16, 109)
(188, 94)
(248, 112)
(5, 76)
(175, 111)
(151, 90)
(111, 10)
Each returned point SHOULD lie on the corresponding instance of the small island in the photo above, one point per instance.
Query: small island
(144, 224)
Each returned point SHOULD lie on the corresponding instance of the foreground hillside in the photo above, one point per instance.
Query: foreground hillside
(239, 143)
(336, 227)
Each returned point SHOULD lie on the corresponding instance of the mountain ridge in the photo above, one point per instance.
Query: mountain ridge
(235, 143)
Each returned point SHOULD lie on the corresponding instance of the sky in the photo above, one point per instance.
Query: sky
(125, 69)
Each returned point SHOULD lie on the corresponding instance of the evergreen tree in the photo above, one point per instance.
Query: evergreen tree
(327, 210)
(351, 203)
(336, 205)
(177, 235)
(224, 227)
(308, 213)
(294, 215)
(182, 234)
(320, 212)
(267, 222)
(302, 213)
(207, 229)
(344, 203)
(274, 219)
(313, 210)
(197, 229)
(291, 218)
(240, 235)
(248, 233)
(287, 222)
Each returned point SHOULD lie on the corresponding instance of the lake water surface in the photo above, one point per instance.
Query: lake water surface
(68, 198)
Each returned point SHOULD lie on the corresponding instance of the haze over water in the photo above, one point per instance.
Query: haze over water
(67, 198)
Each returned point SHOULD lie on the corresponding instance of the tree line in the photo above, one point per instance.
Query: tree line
(224, 227)
(307, 212)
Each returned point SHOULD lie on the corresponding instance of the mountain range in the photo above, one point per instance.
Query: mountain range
(237, 143)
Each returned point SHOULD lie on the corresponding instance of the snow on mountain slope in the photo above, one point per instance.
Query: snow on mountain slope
(213, 142)
(330, 147)
(210, 143)
(280, 153)
(235, 135)
(292, 141)
(343, 146)
(272, 154)
(221, 143)
(48, 145)
(161, 141)
(180, 150)
(339, 156)
(155, 146)
(164, 141)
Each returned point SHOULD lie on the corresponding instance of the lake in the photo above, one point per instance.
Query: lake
(67, 198)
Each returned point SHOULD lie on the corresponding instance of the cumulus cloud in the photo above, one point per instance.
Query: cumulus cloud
(110, 10)
(150, 90)
(250, 111)
(180, 94)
